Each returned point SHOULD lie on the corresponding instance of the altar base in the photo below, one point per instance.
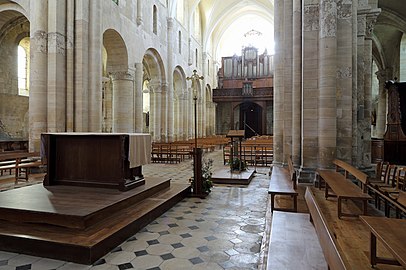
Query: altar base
(79, 224)
(226, 176)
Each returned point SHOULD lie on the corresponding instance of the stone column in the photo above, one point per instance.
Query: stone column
(56, 82)
(138, 101)
(297, 82)
(382, 100)
(152, 112)
(344, 80)
(327, 82)
(70, 24)
(95, 66)
(123, 96)
(156, 110)
(287, 78)
(139, 12)
(278, 83)
(170, 98)
(370, 23)
(362, 149)
(38, 73)
(81, 96)
(310, 93)
(164, 112)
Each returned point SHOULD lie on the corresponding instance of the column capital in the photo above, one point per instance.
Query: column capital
(121, 75)
(169, 21)
(371, 21)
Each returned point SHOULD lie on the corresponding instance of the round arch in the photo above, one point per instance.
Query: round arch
(14, 27)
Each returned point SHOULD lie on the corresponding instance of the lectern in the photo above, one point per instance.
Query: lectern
(236, 147)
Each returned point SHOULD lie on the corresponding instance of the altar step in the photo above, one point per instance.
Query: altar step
(86, 245)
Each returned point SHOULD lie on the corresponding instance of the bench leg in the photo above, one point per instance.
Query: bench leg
(295, 203)
(372, 252)
(365, 207)
(326, 191)
(272, 202)
(339, 207)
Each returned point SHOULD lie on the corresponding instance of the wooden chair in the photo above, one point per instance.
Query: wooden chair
(380, 172)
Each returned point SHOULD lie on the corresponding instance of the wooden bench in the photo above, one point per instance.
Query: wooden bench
(342, 187)
(283, 182)
(293, 243)
(327, 240)
(21, 163)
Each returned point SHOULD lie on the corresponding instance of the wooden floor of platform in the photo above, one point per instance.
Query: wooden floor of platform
(78, 244)
(225, 176)
(70, 206)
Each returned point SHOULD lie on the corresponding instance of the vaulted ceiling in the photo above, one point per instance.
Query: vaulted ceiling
(218, 15)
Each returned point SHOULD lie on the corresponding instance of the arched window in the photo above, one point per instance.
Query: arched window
(180, 42)
(196, 55)
(23, 66)
(155, 20)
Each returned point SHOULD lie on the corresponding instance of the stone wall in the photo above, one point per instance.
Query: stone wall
(13, 116)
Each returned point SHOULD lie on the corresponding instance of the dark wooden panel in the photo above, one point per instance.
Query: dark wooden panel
(377, 150)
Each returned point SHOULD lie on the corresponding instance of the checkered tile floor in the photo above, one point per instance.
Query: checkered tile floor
(223, 231)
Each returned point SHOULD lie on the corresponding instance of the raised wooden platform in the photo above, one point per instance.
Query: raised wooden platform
(225, 176)
(80, 224)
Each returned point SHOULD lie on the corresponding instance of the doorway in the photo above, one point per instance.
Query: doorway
(251, 119)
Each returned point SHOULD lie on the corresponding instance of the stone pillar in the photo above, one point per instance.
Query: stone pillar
(362, 149)
(138, 101)
(170, 98)
(366, 140)
(344, 78)
(156, 110)
(38, 73)
(81, 96)
(205, 112)
(297, 82)
(56, 82)
(95, 74)
(70, 24)
(152, 112)
(139, 12)
(183, 114)
(310, 94)
(382, 100)
(164, 112)
(123, 96)
(327, 82)
(278, 83)
(287, 78)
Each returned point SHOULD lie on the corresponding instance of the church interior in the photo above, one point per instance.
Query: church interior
(202, 134)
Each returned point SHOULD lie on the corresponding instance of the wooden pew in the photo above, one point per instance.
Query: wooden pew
(283, 182)
(342, 187)
(327, 240)
(21, 163)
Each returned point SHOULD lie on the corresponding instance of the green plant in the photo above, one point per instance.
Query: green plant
(238, 165)
(207, 183)
(206, 176)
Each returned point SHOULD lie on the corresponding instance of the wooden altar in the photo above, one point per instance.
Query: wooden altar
(105, 160)
(394, 138)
